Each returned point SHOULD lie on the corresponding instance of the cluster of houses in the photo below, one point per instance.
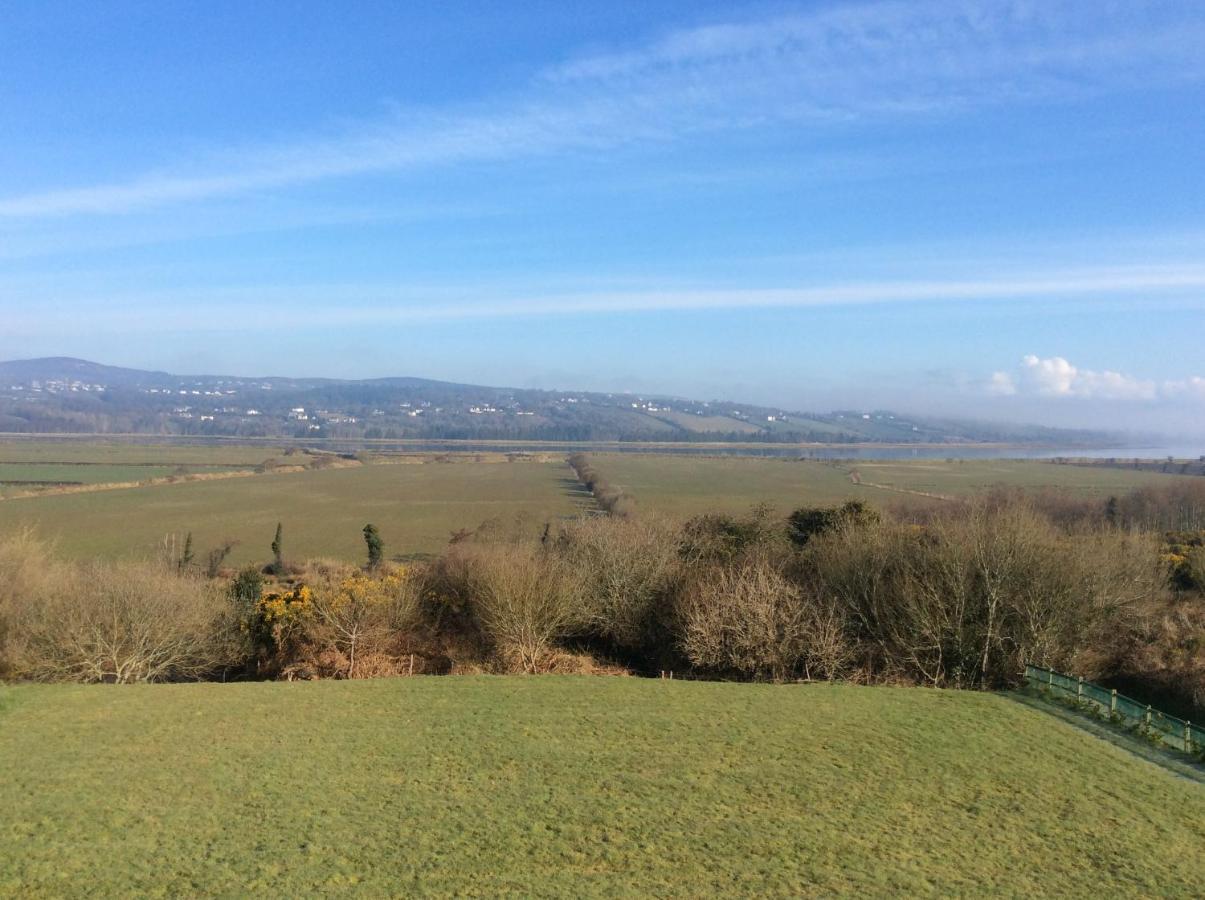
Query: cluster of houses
(57, 387)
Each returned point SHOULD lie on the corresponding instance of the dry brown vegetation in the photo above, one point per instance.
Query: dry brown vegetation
(120, 623)
(610, 498)
(958, 595)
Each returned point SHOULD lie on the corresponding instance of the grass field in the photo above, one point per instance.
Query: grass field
(415, 506)
(689, 485)
(417, 502)
(123, 453)
(576, 786)
(17, 478)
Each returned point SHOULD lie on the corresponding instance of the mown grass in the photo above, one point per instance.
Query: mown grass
(575, 786)
(416, 507)
(681, 486)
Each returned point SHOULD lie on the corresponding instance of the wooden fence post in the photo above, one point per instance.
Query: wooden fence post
(1079, 688)
(1113, 702)
(1188, 737)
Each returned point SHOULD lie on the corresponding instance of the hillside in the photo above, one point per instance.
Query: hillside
(72, 395)
(576, 786)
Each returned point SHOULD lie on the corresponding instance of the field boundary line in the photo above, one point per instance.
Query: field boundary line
(856, 478)
(150, 482)
(1177, 764)
(1141, 721)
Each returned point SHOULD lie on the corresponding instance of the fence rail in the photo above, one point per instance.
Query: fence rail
(1166, 729)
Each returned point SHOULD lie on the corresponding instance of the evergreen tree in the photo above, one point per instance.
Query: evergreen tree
(186, 556)
(278, 550)
(372, 538)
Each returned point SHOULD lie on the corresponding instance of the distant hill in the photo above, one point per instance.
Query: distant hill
(62, 394)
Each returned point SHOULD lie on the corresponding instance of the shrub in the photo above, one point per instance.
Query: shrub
(983, 589)
(125, 622)
(723, 538)
(361, 618)
(625, 570)
(28, 573)
(808, 522)
(747, 619)
(215, 557)
(522, 598)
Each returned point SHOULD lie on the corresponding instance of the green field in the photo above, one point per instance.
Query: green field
(573, 786)
(678, 486)
(124, 453)
(416, 506)
(417, 501)
(18, 478)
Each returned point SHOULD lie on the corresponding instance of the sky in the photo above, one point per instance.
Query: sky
(989, 209)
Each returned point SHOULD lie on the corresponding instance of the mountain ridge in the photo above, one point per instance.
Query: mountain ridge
(58, 394)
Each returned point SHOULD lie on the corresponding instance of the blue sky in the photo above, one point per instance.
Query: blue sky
(994, 209)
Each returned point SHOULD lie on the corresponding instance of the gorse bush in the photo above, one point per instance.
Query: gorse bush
(358, 624)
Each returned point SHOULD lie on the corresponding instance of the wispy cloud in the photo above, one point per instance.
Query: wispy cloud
(356, 305)
(884, 59)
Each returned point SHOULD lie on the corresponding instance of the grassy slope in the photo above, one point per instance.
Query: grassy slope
(415, 506)
(685, 486)
(576, 786)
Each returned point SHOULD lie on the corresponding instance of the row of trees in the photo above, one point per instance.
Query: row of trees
(610, 498)
(961, 598)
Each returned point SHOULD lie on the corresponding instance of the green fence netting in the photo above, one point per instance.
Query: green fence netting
(1167, 729)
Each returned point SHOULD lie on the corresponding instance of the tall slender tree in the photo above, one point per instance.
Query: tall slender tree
(372, 538)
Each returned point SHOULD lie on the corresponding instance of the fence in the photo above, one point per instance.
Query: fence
(1118, 708)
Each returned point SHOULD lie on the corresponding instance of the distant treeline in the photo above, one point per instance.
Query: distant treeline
(1168, 466)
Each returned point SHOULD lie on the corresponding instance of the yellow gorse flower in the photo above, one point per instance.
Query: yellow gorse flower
(277, 606)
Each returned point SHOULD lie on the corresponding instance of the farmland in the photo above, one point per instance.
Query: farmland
(688, 486)
(418, 499)
(38, 466)
(124, 453)
(416, 506)
(576, 787)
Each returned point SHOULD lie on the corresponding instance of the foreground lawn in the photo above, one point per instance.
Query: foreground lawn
(575, 786)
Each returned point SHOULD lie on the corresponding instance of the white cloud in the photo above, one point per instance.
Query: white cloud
(1057, 377)
(884, 59)
(1001, 384)
(1193, 387)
